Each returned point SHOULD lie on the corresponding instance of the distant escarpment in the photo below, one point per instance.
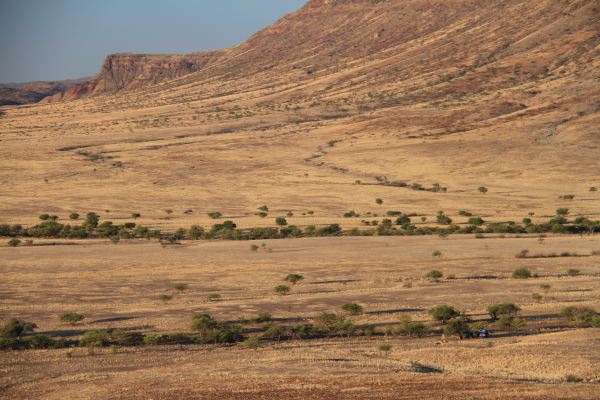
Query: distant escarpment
(128, 71)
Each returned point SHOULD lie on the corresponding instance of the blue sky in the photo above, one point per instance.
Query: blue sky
(62, 39)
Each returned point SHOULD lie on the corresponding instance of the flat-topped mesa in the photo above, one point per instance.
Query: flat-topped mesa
(133, 71)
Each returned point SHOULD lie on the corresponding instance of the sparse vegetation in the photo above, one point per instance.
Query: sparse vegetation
(353, 308)
(434, 274)
(443, 313)
(282, 289)
(521, 273)
(71, 317)
(294, 278)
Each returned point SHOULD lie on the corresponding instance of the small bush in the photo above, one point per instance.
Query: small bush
(165, 297)
(252, 342)
(379, 201)
(281, 221)
(436, 253)
(71, 317)
(545, 287)
(253, 247)
(385, 348)
(482, 189)
(214, 215)
(213, 297)
(181, 287)
(263, 318)
(14, 242)
(353, 308)
(536, 296)
(95, 339)
(521, 273)
(273, 332)
(434, 274)
(573, 272)
(282, 289)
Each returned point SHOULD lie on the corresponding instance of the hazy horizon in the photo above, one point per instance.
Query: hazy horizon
(68, 39)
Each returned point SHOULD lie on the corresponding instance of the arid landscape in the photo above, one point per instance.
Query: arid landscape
(287, 216)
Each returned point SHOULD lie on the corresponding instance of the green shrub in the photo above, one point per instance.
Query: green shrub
(263, 318)
(545, 287)
(127, 338)
(507, 309)
(281, 221)
(353, 308)
(14, 242)
(181, 287)
(196, 232)
(443, 313)
(511, 323)
(71, 317)
(411, 328)
(482, 189)
(264, 208)
(379, 201)
(214, 215)
(562, 212)
(521, 273)
(477, 221)
(252, 342)
(385, 348)
(443, 219)
(165, 297)
(14, 328)
(74, 216)
(294, 278)
(351, 214)
(95, 339)
(273, 332)
(434, 274)
(582, 316)
(536, 296)
(282, 289)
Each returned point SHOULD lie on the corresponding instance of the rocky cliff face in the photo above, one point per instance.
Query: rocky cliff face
(32, 92)
(134, 71)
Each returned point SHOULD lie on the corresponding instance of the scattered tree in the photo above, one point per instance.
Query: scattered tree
(385, 348)
(379, 201)
(282, 289)
(214, 214)
(294, 278)
(14, 242)
(15, 328)
(74, 216)
(482, 189)
(508, 309)
(443, 313)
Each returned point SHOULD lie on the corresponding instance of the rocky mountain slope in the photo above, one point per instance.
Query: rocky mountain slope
(463, 93)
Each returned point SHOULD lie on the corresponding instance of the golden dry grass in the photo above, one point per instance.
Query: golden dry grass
(118, 286)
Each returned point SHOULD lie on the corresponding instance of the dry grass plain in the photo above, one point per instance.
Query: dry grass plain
(463, 93)
(118, 286)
